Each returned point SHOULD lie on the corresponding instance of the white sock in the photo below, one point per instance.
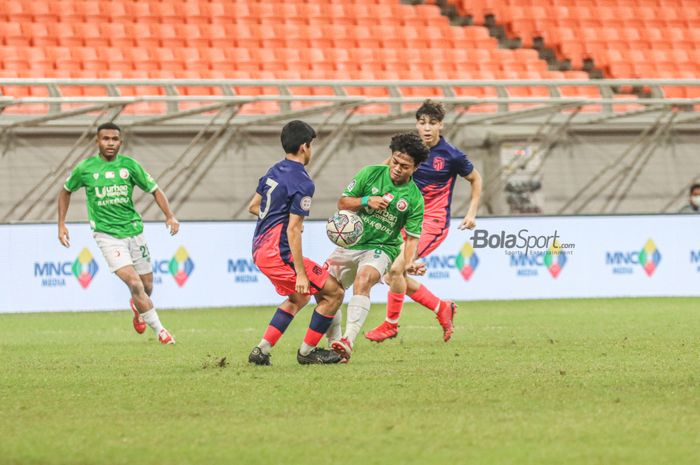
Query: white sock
(265, 347)
(358, 308)
(305, 349)
(334, 332)
(152, 320)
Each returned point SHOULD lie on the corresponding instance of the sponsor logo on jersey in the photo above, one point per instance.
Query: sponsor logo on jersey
(375, 190)
(388, 197)
(402, 205)
(306, 203)
(95, 175)
(109, 174)
(351, 185)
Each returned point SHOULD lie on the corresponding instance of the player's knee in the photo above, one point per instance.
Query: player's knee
(363, 283)
(298, 303)
(148, 288)
(135, 286)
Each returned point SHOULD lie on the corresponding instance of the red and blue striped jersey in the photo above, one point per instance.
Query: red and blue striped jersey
(436, 178)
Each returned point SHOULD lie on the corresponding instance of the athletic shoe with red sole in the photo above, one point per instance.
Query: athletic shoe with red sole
(343, 347)
(445, 315)
(139, 324)
(383, 332)
(165, 337)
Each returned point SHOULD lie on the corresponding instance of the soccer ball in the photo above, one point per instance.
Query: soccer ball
(344, 228)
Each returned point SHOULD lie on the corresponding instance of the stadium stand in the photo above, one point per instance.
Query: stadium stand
(349, 39)
(633, 39)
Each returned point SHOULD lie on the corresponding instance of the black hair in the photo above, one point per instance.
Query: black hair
(693, 187)
(295, 134)
(109, 125)
(410, 144)
(431, 110)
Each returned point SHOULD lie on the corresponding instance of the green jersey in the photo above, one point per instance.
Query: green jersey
(109, 186)
(382, 228)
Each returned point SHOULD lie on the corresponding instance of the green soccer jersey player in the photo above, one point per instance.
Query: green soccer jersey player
(109, 179)
(388, 201)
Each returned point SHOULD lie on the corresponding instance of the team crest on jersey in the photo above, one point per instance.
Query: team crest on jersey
(401, 205)
(109, 174)
(438, 163)
(124, 173)
(306, 203)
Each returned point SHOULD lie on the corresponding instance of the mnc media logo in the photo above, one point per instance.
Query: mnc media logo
(624, 262)
(695, 259)
(467, 261)
(53, 274)
(554, 260)
(181, 266)
(84, 268)
(243, 270)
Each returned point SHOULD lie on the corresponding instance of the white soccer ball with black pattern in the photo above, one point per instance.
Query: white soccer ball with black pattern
(344, 228)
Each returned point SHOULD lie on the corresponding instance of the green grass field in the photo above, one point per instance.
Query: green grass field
(534, 382)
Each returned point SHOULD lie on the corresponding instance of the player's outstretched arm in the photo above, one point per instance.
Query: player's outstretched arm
(356, 203)
(63, 204)
(409, 254)
(171, 222)
(296, 224)
(254, 205)
(469, 221)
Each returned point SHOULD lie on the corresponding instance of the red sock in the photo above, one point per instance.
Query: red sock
(317, 328)
(394, 305)
(277, 327)
(426, 298)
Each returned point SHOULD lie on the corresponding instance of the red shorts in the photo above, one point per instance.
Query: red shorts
(429, 241)
(284, 277)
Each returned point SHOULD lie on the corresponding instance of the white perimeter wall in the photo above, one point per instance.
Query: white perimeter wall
(38, 274)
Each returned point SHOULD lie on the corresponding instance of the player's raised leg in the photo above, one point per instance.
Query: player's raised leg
(358, 308)
(143, 303)
(396, 279)
(444, 309)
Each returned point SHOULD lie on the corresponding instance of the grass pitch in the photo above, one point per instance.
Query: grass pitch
(534, 382)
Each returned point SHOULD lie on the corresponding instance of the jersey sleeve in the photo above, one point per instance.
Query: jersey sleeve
(75, 180)
(142, 179)
(357, 185)
(414, 223)
(461, 164)
(301, 200)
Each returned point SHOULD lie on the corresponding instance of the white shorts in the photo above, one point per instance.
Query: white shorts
(124, 252)
(344, 263)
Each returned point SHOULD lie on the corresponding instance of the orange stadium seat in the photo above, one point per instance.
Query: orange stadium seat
(348, 39)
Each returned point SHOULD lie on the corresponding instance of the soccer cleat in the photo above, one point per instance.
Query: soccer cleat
(445, 316)
(318, 356)
(343, 347)
(258, 357)
(165, 337)
(383, 332)
(139, 324)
